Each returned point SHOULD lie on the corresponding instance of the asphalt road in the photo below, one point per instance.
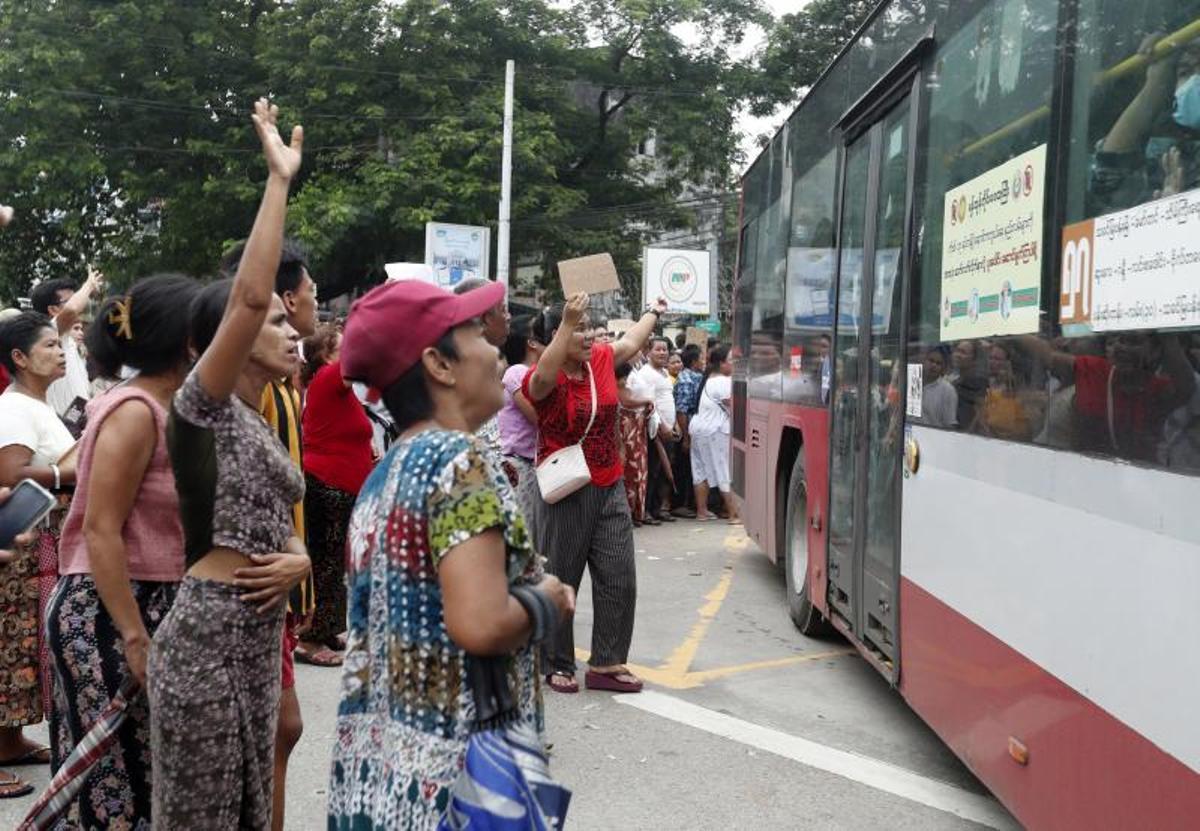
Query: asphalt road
(745, 722)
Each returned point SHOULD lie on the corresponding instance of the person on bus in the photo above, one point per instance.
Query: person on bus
(1003, 413)
(939, 399)
(1153, 148)
(970, 383)
(1123, 398)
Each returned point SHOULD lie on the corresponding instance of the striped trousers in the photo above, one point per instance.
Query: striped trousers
(591, 528)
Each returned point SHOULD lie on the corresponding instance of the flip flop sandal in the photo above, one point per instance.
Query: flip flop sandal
(12, 786)
(612, 681)
(324, 657)
(36, 756)
(561, 682)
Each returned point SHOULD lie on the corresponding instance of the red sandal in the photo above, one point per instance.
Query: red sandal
(622, 682)
(562, 682)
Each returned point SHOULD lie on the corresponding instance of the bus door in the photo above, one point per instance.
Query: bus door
(867, 421)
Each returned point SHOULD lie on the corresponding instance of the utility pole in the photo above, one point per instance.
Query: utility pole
(502, 238)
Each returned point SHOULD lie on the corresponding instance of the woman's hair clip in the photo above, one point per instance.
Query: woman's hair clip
(120, 317)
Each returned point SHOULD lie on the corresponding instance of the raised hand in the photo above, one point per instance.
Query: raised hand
(95, 278)
(574, 310)
(282, 160)
(660, 306)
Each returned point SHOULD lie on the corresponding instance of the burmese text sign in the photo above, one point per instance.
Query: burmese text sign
(992, 250)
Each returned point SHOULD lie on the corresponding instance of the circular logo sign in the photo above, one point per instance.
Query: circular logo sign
(678, 280)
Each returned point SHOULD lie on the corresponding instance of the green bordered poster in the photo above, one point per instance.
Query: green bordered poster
(992, 250)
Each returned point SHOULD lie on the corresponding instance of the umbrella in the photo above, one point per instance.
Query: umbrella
(73, 772)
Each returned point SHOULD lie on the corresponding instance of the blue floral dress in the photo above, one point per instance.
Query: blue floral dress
(406, 710)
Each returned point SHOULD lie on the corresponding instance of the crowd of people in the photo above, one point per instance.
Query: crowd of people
(1131, 395)
(239, 486)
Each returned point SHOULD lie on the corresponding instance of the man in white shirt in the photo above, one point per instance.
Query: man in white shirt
(64, 303)
(939, 402)
(654, 382)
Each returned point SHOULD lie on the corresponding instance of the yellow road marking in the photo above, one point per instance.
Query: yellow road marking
(675, 673)
(681, 659)
(722, 672)
(674, 680)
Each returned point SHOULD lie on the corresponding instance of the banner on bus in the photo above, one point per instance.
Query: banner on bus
(992, 250)
(682, 276)
(1133, 269)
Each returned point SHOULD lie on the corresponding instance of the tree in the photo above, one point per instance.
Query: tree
(800, 46)
(124, 136)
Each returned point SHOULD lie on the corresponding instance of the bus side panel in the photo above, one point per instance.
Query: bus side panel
(1086, 769)
(1033, 607)
(755, 505)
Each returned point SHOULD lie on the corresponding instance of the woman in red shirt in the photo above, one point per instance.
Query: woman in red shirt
(592, 526)
(337, 459)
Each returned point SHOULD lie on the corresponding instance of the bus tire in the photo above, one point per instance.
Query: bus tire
(808, 618)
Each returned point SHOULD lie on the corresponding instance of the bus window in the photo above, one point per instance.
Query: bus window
(811, 263)
(1137, 107)
(979, 121)
(1131, 372)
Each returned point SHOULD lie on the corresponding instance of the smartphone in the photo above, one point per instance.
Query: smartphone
(25, 507)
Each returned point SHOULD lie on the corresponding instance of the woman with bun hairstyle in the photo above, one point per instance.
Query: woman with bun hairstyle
(121, 553)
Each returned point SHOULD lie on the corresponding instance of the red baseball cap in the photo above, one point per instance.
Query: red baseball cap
(391, 325)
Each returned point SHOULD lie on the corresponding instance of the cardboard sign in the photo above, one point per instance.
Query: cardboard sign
(619, 326)
(698, 336)
(595, 274)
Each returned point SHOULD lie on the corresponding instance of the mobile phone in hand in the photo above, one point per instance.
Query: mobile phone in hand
(25, 507)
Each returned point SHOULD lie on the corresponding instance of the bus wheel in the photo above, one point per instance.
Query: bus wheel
(808, 618)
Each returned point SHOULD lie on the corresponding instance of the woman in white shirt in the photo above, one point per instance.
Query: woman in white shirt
(709, 430)
(32, 441)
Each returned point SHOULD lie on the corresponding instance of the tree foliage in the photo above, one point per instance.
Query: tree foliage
(125, 134)
(800, 46)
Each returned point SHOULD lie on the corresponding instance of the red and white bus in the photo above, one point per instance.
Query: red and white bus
(967, 387)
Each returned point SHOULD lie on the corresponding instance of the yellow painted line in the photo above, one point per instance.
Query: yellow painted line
(683, 655)
(675, 673)
(675, 680)
(724, 672)
(669, 680)
(681, 658)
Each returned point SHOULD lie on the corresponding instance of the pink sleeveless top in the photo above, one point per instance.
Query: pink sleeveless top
(152, 533)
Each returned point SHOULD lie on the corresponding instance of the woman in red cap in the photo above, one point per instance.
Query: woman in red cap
(440, 565)
(591, 527)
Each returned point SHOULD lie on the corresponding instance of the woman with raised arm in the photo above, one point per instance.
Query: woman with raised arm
(591, 527)
(121, 555)
(214, 662)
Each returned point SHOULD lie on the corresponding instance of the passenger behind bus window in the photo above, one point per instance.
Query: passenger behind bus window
(939, 400)
(1152, 148)
(1123, 398)
(1180, 449)
(1003, 413)
(969, 379)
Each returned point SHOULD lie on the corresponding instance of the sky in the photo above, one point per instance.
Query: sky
(749, 126)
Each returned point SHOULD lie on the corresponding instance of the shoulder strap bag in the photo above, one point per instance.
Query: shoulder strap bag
(565, 471)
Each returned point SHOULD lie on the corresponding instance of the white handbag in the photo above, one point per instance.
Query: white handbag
(565, 471)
